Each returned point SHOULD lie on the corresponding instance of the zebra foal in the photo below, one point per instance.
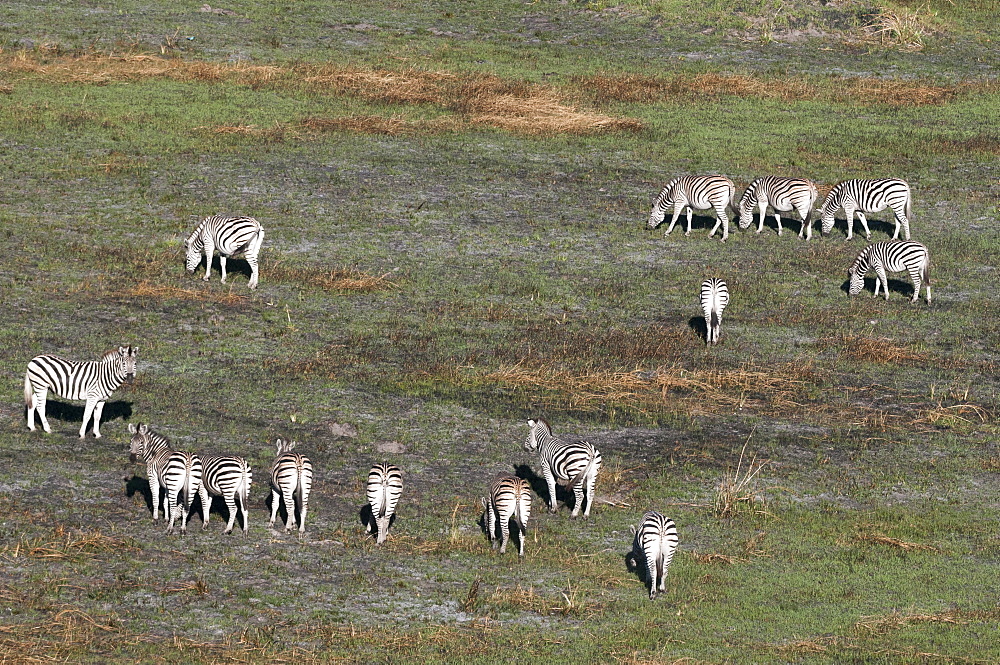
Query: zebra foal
(656, 539)
(385, 485)
(695, 191)
(869, 196)
(291, 479)
(179, 474)
(509, 498)
(229, 477)
(892, 256)
(574, 463)
(229, 235)
(93, 381)
(714, 298)
(783, 195)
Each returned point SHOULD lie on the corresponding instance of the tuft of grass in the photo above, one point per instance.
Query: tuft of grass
(877, 625)
(878, 538)
(898, 27)
(736, 492)
(63, 544)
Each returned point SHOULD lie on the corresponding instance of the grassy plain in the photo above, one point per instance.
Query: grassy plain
(455, 197)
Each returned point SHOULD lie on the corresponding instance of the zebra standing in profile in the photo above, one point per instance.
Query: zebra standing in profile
(576, 462)
(783, 195)
(229, 235)
(714, 298)
(385, 485)
(869, 196)
(93, 381)
(510, 497)
(179, 473)
(230, 477)
(656, 539)
(887, 256)
(291, 479)
(695, 191)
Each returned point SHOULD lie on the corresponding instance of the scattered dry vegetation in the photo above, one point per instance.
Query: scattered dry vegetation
(875, 350)
(877, 538)
(877, 625)
(737, 491)
(63, 544)
(898, 27)
(275, 268)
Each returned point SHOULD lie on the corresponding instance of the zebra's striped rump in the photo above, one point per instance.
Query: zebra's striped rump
(229, 477)
(576, 463)
(783, 195)
(228, 235)
(509, 498)
(867, 196)
(714, 298)
(690, 192)
(385, 486)
(179, 474)
(891, 256)
(291, 482)
(656, 539)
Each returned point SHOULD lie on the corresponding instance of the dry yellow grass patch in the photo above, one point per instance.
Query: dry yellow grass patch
(64, 545)
(875, 350)
(878, 625)
(146, 289)
(337, 279)
(881, 539)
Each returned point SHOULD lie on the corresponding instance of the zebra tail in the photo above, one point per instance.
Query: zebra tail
(583, 474)
(927, 272)
(29, 394)
(909, 207)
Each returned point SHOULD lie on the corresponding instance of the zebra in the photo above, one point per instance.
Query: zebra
(230, 477)
(291, 478)
(577, 463)
(385, 485)
(656, 541)
(179, 473)
(510, 497)
(869, 196)
(229, 235)
(695, 191)
(92, 380)
(714, 298)
(888, 256)
(783, 195)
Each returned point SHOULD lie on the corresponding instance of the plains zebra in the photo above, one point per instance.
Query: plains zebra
(291, 478)
(714, 298)
(385, 485)
(695, 191)
(510, 497)
(230, 477)
(888, 256)
(576, 462)
(92, 380)
(179, 473)
(783, 195)
(863, 196)
(229, 235)
(656, 540)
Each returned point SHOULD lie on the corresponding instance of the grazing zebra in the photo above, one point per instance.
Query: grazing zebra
(385, 485)
(577, 463)
(229, 235)
(714, 298)
(510, 497)
(179, 473)
(783, 195)
(92, 380)
(695, 191)
(863, 196)
(656, 539)
(887, 256)
(291, 478)
(227, 476)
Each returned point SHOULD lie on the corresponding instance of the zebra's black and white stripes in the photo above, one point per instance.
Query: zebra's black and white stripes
(385, 485)
(888, 256)
(783, 195)
(93, 381)
(291, 481)
(714, 298)
(230, 477)
(695, 191)
(656, 539)
(179, 474)
(229, 235)
(869, 196)
(577, 462)
(509, 498)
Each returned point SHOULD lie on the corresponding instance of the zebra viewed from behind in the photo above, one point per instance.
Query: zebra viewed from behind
(869, 196)
(229, 235)
(695, 191)
(291, 479)
(576, 463)
(179, 474)
(656, 540)
(230, 477)
(385, 485)
(888, 256)
(509, 498)
(714, 298)
(783, 195)
(93, 381)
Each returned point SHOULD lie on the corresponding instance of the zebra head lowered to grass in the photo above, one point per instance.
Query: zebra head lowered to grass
(178, 473)
(229, 235)
(385, 485)
(291, 481)
(575, 464)
(509, 498)
(869, 196)
(230, 477)
(93, 381)
(783, 195)
(656, 540)
(891, 256)
(714, 298)
(690, 192)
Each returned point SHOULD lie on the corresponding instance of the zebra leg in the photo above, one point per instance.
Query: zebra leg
(651, 568)
(504, 532)
(690, 214)
(222, 263)
(763, 213)
(864, 223)
(275, 500)
(661, 571)
(881, 276)
(209, 253)
(849, 211)
(491, 523)
(305, 509)
(169, 512)
(591, 481)
(673, 220)
(578, 499)
(231, 506)
(88, 411)
(806, 226)
(777, 218)
(243, 509)
(550, 480)
(251, 257)
(915, 278)
(206, 505)
(154, 489)
(98, 410)
(40, 399)
(289, 498)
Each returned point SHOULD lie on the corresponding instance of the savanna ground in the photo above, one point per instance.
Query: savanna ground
(455, 196)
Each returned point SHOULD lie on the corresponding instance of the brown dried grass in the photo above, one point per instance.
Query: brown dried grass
(63, 544)
(879, 625)
(878, 538)
(875, 350)
(714, 558)
(337, 279)
(957, 415)
(145, 289)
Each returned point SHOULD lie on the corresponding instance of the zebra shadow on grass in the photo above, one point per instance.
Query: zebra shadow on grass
(700, 328)
(895, 286)
(541, 489)
(66, 412)
(367, 519)
(234, 266)
(635, 563)
(876, 226)
(139, 485)
(703, 223)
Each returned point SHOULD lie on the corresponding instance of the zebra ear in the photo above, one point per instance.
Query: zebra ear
(143, 428)
(131, 428)
(279, 443)
(291, 444)
(631, 527)
(531, 423)
(135, 350)
(123, 350)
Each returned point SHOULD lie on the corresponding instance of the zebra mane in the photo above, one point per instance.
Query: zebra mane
(861, 261)
(194, 240)
(108, 355)
(545, 423)
(833, 198)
